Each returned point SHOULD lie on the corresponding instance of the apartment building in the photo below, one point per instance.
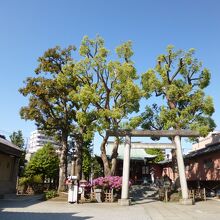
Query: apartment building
(37, 140)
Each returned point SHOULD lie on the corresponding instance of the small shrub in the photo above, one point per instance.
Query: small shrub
(23, 181)
(31, 184)
(37, 184)
(23, 184)
(37, 179)
(51, 194)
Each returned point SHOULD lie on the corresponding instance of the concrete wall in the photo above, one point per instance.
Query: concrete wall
(8, 173)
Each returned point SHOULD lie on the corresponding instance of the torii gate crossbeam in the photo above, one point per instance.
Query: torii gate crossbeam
(175, 134)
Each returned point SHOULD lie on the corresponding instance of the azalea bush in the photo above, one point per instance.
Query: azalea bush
(108, 182)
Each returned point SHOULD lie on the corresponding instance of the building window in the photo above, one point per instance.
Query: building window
(145, 170)
(208, 164)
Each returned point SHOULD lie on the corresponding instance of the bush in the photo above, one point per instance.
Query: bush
(37, 179)
(23, 181)
(108, 182)
(23, 184)
(51, 194)
(37, 184)
(34, 183)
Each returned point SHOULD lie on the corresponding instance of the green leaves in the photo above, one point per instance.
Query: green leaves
(125, 51)
(53, 60)
(106, 86)
(44, 162)
(158, 152)
(179, 78)
(17, 139)
(94, 93)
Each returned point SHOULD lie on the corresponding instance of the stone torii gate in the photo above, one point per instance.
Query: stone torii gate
(175, 135)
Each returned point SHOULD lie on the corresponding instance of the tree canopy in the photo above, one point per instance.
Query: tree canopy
(49, 104)
(98, 90)
(180, 79)
(17, 139)
(109, 86)
(158, 152)
(45, 162)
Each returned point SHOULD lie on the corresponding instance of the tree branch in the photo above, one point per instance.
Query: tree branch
(178, 70)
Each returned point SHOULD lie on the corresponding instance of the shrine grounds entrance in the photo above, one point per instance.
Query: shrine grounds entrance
(175, 135)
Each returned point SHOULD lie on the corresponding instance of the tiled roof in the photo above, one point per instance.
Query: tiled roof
(166, 161)
(9, 148)
(205, 150)
(136, 154)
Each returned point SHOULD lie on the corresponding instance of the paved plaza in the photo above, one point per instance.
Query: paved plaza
(31, 208)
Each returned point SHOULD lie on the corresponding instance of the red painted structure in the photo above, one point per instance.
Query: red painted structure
(204, 167)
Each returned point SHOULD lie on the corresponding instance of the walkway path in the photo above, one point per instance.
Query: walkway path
(34, 209)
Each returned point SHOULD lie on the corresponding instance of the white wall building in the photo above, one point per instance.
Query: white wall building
(211, 138)
(37, 141)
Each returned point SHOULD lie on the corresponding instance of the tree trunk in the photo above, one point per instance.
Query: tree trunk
(114, 156)
(172, 105)
(107, 171)
(63, 164)
(79, 146)
(174, 164)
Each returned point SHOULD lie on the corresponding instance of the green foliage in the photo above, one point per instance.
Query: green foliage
(158, 152)
(24, 181)
(29, 180)
(51, 194)
(35, 182)
(107, 85)
(79, 97)
(97, 169)
(87, 160)
(50, 105)
(151, 118)
(37, 179)
(179, 79)
(17, 139)
(45, 162)
(124, 51)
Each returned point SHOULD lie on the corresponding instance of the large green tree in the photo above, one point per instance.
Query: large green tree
(49, 104)
(179, 79)
(45, 162)
(109, 85)
(85, 117)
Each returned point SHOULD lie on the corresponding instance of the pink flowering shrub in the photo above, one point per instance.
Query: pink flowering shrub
(108, 182)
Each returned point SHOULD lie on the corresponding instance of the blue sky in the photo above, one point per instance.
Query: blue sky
(29, 27)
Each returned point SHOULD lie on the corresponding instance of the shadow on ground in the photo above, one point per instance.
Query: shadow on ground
(20, 201)
(143, 194)
(40, 216)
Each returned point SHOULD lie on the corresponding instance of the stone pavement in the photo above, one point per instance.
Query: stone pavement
(31, 208)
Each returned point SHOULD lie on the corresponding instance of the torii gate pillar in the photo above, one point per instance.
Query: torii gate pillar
(126, 171)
